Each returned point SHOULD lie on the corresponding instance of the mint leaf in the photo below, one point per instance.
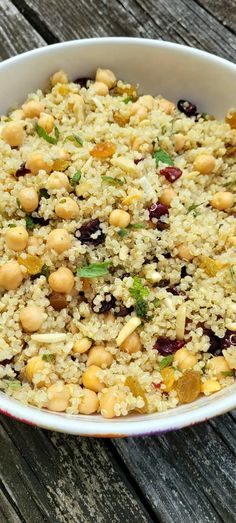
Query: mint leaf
(156, 302)
(165, 362)
(137, 226)
(95, 270)
(127, 99)
(162, 156)
(123, 232)
(112, 181)
(29, 223)
(45, 271)
(76, 139)
(75, 178)
(193, 208)
(50, 139)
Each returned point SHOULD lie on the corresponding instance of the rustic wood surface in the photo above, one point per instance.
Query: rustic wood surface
(186, 476)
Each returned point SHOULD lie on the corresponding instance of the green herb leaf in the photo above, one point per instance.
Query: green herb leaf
(141, 308)
(156, 302)
(162, 156)
(165, 362)
(227, 373)
(45, 271)
(44, 193)
(29, 223)
(123, 232)
(95, 270)
(127, 99)
(48, 357)
(50, 139)
(11, 225)
(193, 208)
(75, 178)
(12, 383)
(232, 274)
(112, 181)
(76, 139)
(137, 226)
(138, 291)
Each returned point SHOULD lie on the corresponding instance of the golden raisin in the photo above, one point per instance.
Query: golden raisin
(136, 390)
(103, 150)
(210, 266)
(128, 89)
(168, 378)
(120, 118)
(85, 284)
(58, 301)
(32, 263)
(231, 119)
(188, 387)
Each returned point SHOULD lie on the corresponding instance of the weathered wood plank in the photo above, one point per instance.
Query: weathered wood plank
(182, 21)
(77, 479)
(7, 512)
(188, 475)
(16, 34)
(225, 11)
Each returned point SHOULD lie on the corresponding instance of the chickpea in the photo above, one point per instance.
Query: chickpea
(34, 366)
(90, 379)
(28, 198)
(204, 163)
(32, 109)
(210, 386)
(222, 200)
(167, 196)
(10, 276)
(179, 142)
(59, 240)
(184, 252)
(18, 114)
(13, 134)
(81, 346)
(89, 402)
(132, 343)
(99, 356)
(184, 359)
(100, 88)
(46, 121)
(58, 397)
(147, 101)
(35, 163)
(119, 218)
(78, 106)
(217, 365)
(58, 180)
(31, 318)
(67, 209)
(17, 238)
(62, 280)
(139, 111)
(109, 399)
(106, 76)
(60, 77)
(166, 106)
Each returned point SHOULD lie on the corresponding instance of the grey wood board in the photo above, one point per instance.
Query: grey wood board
(224, 11)
(55, 477)
(16, 34)
(182, 21)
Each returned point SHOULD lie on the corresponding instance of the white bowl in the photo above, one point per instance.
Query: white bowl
(175, 71)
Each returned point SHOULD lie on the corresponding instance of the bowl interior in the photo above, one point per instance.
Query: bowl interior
(159, 68)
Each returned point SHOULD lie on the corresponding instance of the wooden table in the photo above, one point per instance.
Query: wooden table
(186, 476)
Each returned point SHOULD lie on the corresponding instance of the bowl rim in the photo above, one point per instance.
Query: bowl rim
(72, 424)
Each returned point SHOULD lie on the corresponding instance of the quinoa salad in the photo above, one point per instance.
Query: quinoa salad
(118, 262)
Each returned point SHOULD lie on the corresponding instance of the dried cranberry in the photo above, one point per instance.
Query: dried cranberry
(123, 311)
(84, 233)
(22, 171)
(166, 346)
(215, 343)
(82, 81)
(156, 385)
(228, 339)
(176, 291)
(163, 283)
(105, 306)
(167, 255)
(187, 107)
(58, 301)
(138, 160)
(39, 220)
(183, 272)
(162, 226)
(171, 173)
(124, 275)
(157, 210)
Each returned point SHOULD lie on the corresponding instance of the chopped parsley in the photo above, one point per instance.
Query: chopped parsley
(127, 99)
(45, 271)
(44, 193)
(29, 223)
(137, 226)
(50, 139)
(156, 302)
(75, 178)
(139, 293)
(193, 208)
(123, 232)
(76, 139)
(113, 181)
(165, 362)
(48, 357)
(162, 156)
(95, 270)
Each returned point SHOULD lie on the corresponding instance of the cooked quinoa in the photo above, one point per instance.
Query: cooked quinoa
(118, 264)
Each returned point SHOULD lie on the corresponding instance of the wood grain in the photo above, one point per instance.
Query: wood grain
(182, 21)
(224, 11)
(16, 34)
